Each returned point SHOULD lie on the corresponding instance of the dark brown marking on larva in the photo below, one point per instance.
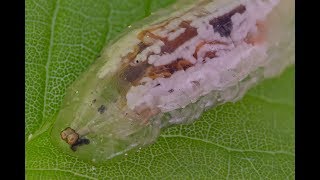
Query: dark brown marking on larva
(167, 70)
(171, 46)
(223, 24)
(134, 73)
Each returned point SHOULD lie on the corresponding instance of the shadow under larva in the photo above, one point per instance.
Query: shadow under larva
(169, 68)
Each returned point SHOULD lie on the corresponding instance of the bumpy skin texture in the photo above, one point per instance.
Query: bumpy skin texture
(170, 70)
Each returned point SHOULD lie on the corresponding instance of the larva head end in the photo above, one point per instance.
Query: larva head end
(69, 135)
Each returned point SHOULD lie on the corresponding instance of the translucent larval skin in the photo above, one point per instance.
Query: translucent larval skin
(169, 68)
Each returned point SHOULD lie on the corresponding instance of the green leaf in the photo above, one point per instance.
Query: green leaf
(250, 139)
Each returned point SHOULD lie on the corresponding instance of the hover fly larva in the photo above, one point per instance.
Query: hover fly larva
(171, 67)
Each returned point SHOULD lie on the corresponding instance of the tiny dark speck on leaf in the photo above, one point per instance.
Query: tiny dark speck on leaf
(102, 109)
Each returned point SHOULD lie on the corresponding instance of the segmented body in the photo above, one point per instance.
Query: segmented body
(169, 72)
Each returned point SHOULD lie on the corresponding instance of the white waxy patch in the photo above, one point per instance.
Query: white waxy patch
(171, 27)
(175, 34)
(155, 48)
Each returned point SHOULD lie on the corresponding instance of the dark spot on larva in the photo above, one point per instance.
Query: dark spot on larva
(223, 24)
(196, 83)
(157, 85)
(171, 90)
(93, 101)
(102, 109)
(80, 142)
(85, 141)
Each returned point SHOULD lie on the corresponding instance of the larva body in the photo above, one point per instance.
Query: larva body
(171, 67)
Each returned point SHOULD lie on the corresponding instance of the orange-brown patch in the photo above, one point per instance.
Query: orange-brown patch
(167, 70)
(189, 33)
(208, 54)
(258, 37)
(134, 73)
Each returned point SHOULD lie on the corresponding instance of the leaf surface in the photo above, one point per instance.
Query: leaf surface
(250, 139)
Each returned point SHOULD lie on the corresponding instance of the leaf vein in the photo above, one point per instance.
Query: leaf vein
(269, 100)
(53, 22)
(62, 170)
(228, 148)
